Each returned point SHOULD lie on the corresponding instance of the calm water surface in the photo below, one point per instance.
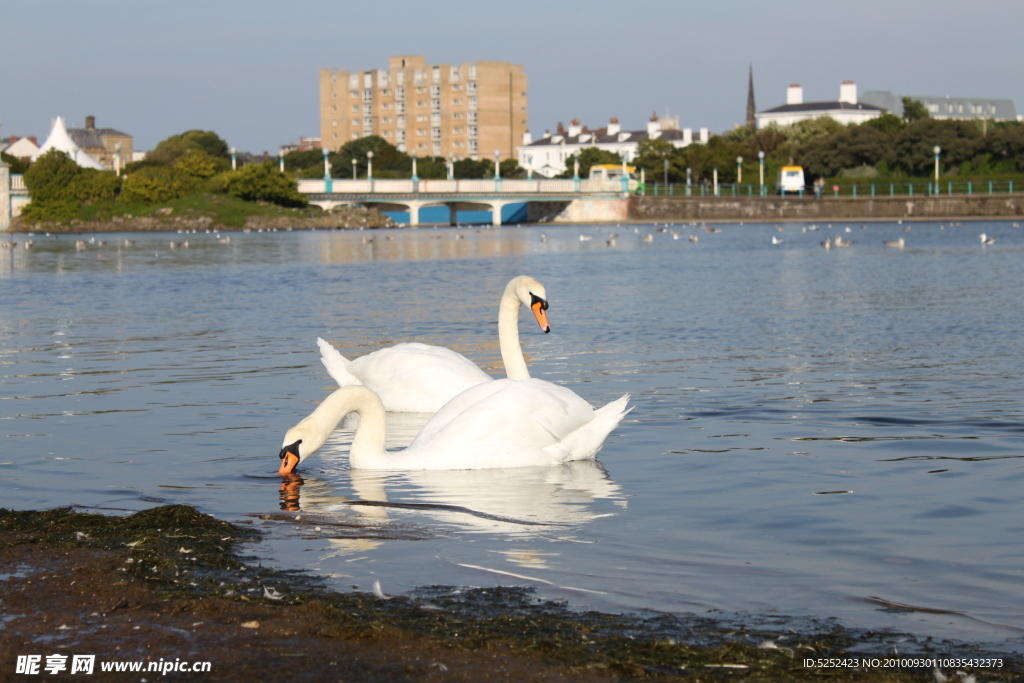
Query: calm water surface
(814, 431)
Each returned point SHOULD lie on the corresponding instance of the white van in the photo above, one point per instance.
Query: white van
(791, 180)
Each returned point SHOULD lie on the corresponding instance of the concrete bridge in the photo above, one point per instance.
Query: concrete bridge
(570, 200)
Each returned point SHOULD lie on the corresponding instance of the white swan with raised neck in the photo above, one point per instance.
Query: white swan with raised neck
(420, 378)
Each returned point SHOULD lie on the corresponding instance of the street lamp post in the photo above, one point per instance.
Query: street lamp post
(234, 163)
(739, 170)
(355, 175)
(327, 165)
(415, 177)
(369, 165)
(117, 158)
(760, 159)
(938, 151)
(497, 155)
(280, 158)
(715, 177)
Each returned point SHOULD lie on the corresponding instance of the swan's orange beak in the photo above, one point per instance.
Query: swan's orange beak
(541, 315)
(289, 459)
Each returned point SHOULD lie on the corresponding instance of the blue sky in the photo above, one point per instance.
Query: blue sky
(248, 70)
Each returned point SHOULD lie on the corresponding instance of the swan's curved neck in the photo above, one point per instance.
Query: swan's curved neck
(368, 442)
(508, 335)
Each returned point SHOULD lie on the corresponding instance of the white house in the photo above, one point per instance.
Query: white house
(845, 110)
(547, 155)
(22, 148)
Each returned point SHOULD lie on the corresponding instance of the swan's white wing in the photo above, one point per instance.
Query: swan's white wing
(409, 377)
(513, 424)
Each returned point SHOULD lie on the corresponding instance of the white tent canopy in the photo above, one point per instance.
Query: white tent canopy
(60, 140)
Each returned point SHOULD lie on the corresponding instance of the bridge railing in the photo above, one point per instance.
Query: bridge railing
(478, 186)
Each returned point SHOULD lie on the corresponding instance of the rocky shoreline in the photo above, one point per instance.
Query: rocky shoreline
(170, 584)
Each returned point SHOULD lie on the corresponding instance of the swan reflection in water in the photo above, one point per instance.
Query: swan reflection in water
(516, 501)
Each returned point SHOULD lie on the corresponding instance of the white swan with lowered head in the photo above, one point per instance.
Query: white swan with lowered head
(420, 378)
(504, 423)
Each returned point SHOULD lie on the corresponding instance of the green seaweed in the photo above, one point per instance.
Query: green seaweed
(179, 551)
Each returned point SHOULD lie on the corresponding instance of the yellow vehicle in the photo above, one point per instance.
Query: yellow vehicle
(614, 172)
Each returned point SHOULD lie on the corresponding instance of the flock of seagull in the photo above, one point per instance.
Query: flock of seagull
(828, 243)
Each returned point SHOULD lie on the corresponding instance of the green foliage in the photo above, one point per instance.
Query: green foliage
(386, 157)
(59, 187)
(914, 110)
(510, 168)
(1005, 144)
(306, 164)
(470, 169)
(589, 156)
(152, 185)
(198, 165)
(886, 123)
(17, 165)
(959, 140)
(263, 182)
(849, 148)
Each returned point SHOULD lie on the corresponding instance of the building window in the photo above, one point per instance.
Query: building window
(400, 107)
(386, 119)
(456, 88)
(420, 118)
(333, 77)
(399, 93)
(354, 94)
(436, 74)
(334, 123)
(334, 107)
(400, 78)
(401, 122)
(420, 104)
(472, 117)
(353, 81)
(472, 72)
(471, 88)
(367, 122)
(422, 132)
(367, 109)
(382, 79)
(355, 108)
(472, 147)
(421, 145)
(354, 122)
(419, 76)
(456, 115)
(435, 133)
(435, 91)
(435, 105)
(435, 119)
(454, 74)
(421, 91)
(457, 143)
(472, 131)
(457, 102)
(385, 93)
(368, 95)
(401, 136)
(334, 95)
(437, 149)
(456, 130)
(334, 136)
(367, 80)
(387, 133)
(472, 103)
(386, 105)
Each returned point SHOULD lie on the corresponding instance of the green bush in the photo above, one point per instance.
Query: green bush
(262, 182)
(152, 185)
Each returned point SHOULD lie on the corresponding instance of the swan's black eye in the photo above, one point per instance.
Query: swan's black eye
(534, 300)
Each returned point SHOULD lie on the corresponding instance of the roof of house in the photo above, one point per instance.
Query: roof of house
(599, 137)
(92, 138)
(834, 105)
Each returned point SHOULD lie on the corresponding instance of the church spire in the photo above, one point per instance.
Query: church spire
(751, 107)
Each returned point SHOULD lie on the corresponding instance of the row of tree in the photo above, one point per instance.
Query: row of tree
(884, 147)
(389, 162)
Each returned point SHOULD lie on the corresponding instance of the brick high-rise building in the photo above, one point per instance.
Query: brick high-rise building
(458, 110)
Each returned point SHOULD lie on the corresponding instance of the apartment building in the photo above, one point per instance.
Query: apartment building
(462, 110)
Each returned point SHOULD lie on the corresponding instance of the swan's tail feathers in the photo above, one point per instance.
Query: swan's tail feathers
(336, 364)
(585, 442)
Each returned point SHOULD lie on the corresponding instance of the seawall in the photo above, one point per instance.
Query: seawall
(827, 208)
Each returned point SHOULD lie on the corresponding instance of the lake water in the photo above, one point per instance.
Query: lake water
(815, 433)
